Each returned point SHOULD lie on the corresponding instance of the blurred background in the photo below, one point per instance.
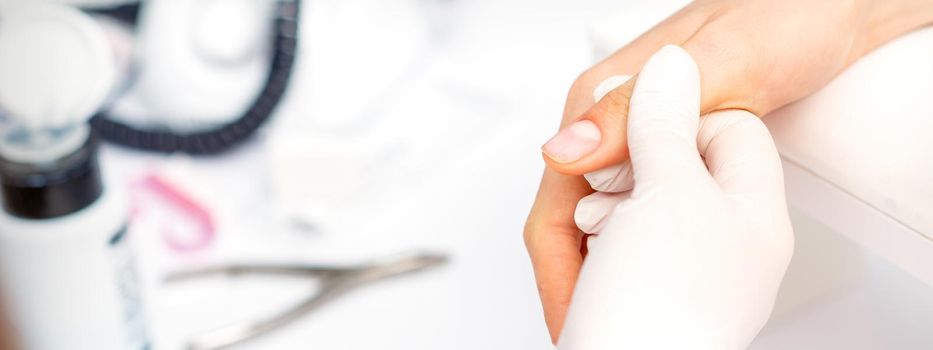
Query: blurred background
(339, 132)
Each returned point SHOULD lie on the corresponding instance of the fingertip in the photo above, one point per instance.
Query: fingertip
(601, 178)
(672, 73)
(741, 155)
(714, 123)
(592, 211)
(590, 215)
(609, 116)
(617, 178)
(573, 142)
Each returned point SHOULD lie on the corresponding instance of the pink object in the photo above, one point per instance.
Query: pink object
(192, 214)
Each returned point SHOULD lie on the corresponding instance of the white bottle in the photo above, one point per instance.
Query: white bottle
(66, 270)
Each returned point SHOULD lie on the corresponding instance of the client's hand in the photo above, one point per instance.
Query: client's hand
(692, 257)
(754, 55)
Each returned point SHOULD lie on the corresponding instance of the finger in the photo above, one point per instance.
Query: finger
(741, 156)
(581, 135)
(609, 114)
(628, 60)
(616, 178)
(725, 60)
(663, 118)
(592, 210)
(554, 242)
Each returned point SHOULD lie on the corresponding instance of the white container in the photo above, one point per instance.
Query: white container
(66, 271)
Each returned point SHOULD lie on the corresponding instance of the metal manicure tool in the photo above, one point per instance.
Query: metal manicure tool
(334, 281)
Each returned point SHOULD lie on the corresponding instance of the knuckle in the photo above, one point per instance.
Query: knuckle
(530, 233)
(594, 75)
(615, 105)
(584, 80)
(619, 98)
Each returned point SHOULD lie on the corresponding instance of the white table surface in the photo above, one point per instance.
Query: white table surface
(510, 65)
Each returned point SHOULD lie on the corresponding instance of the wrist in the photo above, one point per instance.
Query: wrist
(885, 20)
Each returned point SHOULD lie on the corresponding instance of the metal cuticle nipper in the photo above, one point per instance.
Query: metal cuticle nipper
(334, 281)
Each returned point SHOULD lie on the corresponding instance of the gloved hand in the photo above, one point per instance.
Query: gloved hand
(755, 55)
(694, 241)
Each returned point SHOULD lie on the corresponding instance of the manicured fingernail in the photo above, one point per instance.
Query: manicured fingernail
(573, 142)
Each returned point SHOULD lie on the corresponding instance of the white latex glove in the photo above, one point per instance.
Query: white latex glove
(692, 256)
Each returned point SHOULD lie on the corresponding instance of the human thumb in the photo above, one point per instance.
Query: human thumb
(663, 118)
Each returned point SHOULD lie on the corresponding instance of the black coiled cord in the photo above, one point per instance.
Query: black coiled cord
(231, 134)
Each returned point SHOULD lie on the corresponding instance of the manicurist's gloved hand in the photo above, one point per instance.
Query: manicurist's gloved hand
(692, 256)
(754, 55)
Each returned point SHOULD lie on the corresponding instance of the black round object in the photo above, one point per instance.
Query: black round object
(53, 189)
(228, 135)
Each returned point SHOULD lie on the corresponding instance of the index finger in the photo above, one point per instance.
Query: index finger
(554, 243)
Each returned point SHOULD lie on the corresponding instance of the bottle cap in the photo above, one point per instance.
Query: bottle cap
(57, 65)
(52, 189)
